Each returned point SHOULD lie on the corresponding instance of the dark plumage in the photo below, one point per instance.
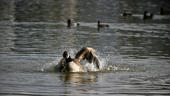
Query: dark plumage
(99, 25)
(70, 23)
(126, 13)
(147, 15)
(163, 12)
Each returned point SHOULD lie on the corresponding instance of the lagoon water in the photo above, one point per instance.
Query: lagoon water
(134, 53)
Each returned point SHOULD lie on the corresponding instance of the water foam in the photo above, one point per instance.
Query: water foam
(49, 67)
(106, 64)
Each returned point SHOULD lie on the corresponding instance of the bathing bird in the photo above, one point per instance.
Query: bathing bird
(68, 64)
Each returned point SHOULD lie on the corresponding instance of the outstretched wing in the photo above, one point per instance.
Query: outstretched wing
(89, 54)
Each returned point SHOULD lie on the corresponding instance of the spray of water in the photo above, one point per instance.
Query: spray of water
(104, 65)
(49, 67)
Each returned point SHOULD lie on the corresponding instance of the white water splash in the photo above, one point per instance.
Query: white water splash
(90, 67)
(105, 64)
(49, 67)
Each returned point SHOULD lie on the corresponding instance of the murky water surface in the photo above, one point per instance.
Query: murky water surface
(134, 53)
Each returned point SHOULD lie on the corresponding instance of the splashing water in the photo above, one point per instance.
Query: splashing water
(104, 66)
(49, 67)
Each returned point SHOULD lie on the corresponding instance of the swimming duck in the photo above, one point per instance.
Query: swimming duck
(101, 25)
(68, 64)
(127, 14)
(163, 12)
(147, 15)
(70, 23)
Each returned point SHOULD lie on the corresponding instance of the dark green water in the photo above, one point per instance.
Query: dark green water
(33, 36)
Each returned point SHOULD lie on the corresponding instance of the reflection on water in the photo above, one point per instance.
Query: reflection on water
(33, 36)
(78, 78)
